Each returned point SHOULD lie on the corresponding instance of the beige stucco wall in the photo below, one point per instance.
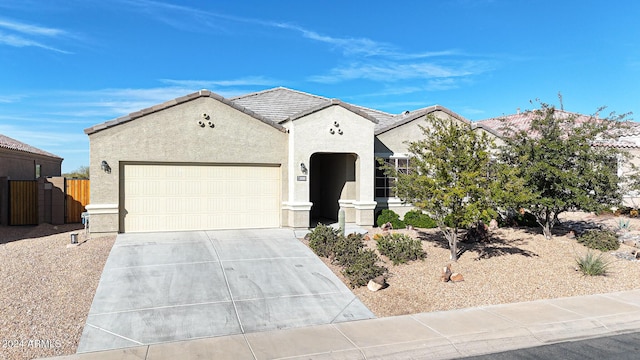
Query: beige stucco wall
(312, 134)
(173, 135)
(397, 139)
(20, 165)
(396, 142)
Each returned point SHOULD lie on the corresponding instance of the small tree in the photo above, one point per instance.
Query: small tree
(81, 172)
(448, 176)
(564, 162)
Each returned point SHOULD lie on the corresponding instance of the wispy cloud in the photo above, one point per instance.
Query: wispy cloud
(386, 71)
(362, 58)
(19, 34)
(214, 84)
(30, 29)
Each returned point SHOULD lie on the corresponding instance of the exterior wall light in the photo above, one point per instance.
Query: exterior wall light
(303, 168)
(105, 167)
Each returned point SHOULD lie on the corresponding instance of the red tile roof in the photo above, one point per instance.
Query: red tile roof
(522, 122)
(13, 144)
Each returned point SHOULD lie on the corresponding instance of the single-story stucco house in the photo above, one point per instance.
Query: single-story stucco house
(275, 158)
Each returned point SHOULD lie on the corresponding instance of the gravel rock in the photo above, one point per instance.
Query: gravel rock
(515, 265)
(46, 288)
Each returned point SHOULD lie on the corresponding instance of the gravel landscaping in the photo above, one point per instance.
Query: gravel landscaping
(47, 288)
(516, 265)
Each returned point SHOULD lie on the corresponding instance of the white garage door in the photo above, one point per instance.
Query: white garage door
(162, 197)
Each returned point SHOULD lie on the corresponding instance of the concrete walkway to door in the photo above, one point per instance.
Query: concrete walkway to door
(163, 287)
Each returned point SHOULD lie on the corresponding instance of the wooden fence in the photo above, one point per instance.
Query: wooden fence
(77, 197)
(23, 202)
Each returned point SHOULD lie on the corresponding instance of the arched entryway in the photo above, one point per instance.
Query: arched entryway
(332, 177)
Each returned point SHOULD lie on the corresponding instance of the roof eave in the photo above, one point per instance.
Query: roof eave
(420, 113)
(332, 102)
(175, 102)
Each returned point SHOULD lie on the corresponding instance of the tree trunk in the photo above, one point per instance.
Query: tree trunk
(453, 245)
(546, 230)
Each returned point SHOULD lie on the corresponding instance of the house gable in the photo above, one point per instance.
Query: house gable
(395, 137)
(202, 130)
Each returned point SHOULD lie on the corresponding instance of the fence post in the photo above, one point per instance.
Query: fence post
(57, 200)
(4, 200)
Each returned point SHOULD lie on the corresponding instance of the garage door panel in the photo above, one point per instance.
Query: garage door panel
(197, 197)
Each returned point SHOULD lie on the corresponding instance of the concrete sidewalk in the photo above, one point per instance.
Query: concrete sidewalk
(436, 335)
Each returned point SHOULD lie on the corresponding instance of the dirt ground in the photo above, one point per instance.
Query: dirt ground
(46, 288)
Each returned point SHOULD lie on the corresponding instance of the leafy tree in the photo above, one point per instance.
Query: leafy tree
(563, 162)
(448, 177)
(82, 173)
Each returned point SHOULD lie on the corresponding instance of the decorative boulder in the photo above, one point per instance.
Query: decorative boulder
(456, 277)
(386, 227)
(377, 283)
(446, 273)
(493, 224)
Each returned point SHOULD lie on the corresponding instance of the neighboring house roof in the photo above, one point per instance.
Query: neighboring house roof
(13, 144)
(177, 101)
(522, 122)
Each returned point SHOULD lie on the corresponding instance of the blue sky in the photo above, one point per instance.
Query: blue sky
(68, 65)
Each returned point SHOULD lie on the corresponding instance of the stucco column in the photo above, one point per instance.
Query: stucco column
(297, 214)
(365, 212)
(103, 218)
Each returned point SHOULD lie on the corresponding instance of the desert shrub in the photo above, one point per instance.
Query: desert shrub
(487, 215)
(322, 240)
(603, 240)
(418, 219)
(400, 248)
(390, 216)
(625, 210)
(364, 268)
(347, 248)
(592, 265)
(515, 218)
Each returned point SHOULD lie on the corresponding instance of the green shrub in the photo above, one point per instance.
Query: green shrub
(389, 216)
(527, 219)
(603, 240)
(418, 219)
(487, 215)
(400, 248)
(364, 268)
(515, 218)
(347, 249)
(322, 240)
(592, 265)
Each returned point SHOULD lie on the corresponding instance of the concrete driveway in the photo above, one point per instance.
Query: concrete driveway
(162, 287)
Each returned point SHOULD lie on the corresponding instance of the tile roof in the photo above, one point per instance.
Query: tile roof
(277, 105)
(522, 122)
(408, 116)
(281, 104)
(177, 101)
(13, 144)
